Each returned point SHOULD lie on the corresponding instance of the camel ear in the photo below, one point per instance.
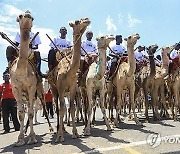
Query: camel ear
(71, 24)
(97, 38)
(125, 39)
(17, 19)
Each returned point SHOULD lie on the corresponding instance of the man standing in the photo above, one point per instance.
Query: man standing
(49, 103)
(9, 104)
(62, 43)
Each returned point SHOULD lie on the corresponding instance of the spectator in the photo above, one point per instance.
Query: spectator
(49, 103)
(9, 104)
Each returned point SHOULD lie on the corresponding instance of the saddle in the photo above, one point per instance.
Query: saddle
(119, 62)
(141, 64)
(32, 61)
(176, 64)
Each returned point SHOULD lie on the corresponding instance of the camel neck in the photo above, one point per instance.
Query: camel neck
(165, 62)
(152, 65)
(76, 53)
(102, 62)
(24, 43)
(131, 59)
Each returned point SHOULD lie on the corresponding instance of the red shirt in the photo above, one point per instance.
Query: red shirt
(48, 97)
(6, 90)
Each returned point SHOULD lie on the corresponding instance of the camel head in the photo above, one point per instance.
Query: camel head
(132, 39)
(166, 50)
(103, 41)
(79, 26)
(25, 20)
(152, 49)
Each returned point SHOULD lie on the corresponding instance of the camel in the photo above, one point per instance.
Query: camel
(66, 79)
(159, 81)
(124, 78)
(145, 79)
(24, 80)
(95, 80)
(175, 86)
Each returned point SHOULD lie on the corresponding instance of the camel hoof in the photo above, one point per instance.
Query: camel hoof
(19, 143)
(139, 123)
(76, 135)
(176, 119)
(51, 130)
(59, 139)
(116, 124)
(32, 140)
(87, 132)
(109, 128)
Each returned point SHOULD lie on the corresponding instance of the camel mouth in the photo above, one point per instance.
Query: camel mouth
(85, 21)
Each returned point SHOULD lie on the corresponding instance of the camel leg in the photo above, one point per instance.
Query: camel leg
(176, 98)
(146, 104)
(72, 111)
(32, 135)
(131, 101)
(102, 100)
(85, 105)
(87, 130)
(35, 113)
(118, 108)
(164, 100)
(60, 134)
(68, 116)
(154, 102)
(21, 114)
(94, 114)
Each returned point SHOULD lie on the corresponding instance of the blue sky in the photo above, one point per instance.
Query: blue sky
(157, 21)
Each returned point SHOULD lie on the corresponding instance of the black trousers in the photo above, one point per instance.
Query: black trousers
(49, 107)
(10, 106)
(51, 59)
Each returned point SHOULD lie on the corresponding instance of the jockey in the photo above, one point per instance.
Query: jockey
(139, 55)
(88, 51)
(174, 57)
(118, 50)
(11, 52)
(87, 46)
(158, 60)
(62, 43)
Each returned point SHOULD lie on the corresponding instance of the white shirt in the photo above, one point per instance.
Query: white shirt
(61, 43)
(173, 54)
(139, 56)
(89, 47)
(37, 40)
(119, 49)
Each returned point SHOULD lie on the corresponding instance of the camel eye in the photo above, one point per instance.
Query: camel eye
(20, 16)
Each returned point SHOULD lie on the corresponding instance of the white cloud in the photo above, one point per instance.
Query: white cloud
(44, 46)
(110, 24)
(11, 10)
(133, 21)
(120, 17)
